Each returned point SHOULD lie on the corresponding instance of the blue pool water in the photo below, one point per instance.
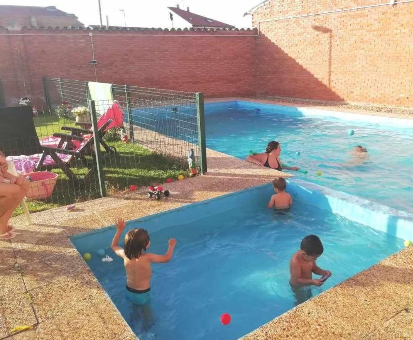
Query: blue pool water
(234, 261)
(324, 145)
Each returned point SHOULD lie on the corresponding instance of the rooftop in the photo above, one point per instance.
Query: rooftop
(197, 20)
(32, 11)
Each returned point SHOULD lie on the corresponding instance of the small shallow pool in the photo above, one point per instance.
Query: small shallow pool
(321, 138)
(232, 256)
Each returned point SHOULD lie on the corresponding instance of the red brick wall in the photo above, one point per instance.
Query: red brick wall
(362, 56)
(216, 63)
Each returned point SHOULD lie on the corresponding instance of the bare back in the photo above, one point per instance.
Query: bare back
(282, 200)
(138, 272)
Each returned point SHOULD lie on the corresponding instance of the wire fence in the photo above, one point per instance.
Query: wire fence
(89, 144)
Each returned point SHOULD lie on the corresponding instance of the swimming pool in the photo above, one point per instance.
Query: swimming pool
(233, 257)
(321, 138)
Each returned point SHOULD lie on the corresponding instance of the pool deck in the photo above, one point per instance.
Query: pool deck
(45, 283)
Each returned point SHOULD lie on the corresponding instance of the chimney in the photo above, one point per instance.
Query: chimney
(177, 6)
(187, 9)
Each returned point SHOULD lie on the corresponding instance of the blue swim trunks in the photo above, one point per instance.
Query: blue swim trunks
(138, 297)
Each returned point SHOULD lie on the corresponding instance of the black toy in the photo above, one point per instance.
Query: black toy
(157, 192)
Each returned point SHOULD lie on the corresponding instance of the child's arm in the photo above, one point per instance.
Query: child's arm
(317, 270)
(120, 227)
(163, 258)
(295, 270)
(271, 202)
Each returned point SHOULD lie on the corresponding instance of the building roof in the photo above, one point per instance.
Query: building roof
(32, 11)
(198, 20)
(252, 10)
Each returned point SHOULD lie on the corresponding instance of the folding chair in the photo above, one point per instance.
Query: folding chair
(19, 141)
(113, 113)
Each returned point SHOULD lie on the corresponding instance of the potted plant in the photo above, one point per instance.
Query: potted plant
(82, 114)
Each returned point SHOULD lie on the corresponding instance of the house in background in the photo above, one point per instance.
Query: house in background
(16, 17)
(185, 19)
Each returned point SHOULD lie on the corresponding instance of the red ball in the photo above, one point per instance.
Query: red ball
(225, 319)
(159, 188)
(132, 187)
(169, 180)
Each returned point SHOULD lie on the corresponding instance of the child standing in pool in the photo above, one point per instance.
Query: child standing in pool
(303, 265)
(281, 200)
(138, 264)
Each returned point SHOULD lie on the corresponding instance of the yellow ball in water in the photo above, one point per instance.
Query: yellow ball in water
(87, 257)
(181, 177)
(319, 173)
(407, 243)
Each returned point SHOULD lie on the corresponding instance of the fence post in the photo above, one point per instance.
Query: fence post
(201, 131)
(47, 94)
(2, 100)
(96, 139)
(130, 118)
(61, 90)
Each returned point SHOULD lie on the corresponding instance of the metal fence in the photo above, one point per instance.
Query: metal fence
(83, 147)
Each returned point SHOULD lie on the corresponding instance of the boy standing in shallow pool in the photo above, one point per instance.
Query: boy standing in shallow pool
(137, 263)
(303, 265)
(282, 199)
(138, 268)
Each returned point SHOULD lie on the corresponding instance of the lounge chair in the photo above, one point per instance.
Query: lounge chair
(114, 113)
(20, 143)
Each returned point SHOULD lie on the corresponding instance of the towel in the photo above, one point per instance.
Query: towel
(102, 94)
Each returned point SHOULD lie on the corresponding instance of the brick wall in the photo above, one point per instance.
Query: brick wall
(363, 56)
(216, 63)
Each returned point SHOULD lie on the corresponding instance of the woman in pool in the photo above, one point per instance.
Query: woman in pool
(270, 158)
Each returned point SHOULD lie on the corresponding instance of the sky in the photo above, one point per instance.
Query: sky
(147, 13)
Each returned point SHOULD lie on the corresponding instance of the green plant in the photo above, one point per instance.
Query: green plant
(113, 135)
(63, 111)
(80, 111)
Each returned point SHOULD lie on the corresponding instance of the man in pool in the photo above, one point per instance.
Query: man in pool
(303, 264)
(281, 200)
(138, 263)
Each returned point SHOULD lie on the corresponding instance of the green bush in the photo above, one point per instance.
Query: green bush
(113, 135)
(63, 111)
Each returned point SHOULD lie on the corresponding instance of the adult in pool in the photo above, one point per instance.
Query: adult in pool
(270, 158)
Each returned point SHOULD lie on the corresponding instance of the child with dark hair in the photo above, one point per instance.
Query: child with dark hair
(302, 265)
(281, 200)
(137, 262)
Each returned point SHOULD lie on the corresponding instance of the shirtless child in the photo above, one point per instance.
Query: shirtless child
(137, 264)
(303, 264)
(281, 200)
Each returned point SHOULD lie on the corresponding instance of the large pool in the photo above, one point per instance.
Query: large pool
(323, 143)
(233, 254)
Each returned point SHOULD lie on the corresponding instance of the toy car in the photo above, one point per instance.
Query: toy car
(157, 192)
